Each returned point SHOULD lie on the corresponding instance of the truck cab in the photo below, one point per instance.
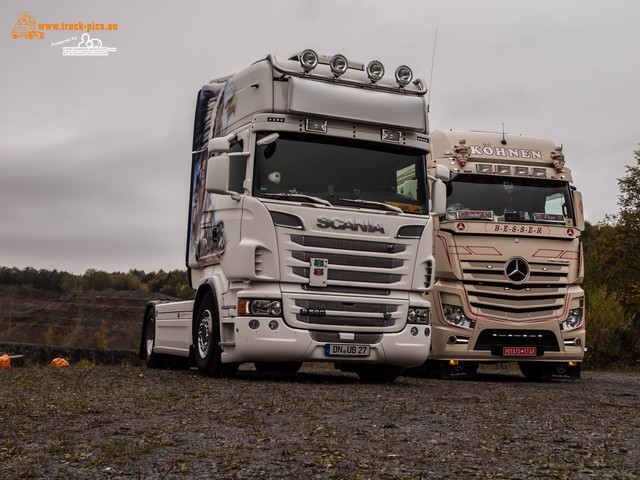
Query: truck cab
(509, 257)
(310, 231)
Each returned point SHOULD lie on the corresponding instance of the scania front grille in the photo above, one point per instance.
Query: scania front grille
(348, 276)
(345, 244)
(346, 321)
(352, 260)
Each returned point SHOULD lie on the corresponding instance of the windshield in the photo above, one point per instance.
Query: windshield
(304, 167)
(508, 199)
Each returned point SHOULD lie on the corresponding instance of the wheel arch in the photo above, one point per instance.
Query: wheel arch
(150, 306)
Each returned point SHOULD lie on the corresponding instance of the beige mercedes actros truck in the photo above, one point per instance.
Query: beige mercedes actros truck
(508, 256)
(310, 236)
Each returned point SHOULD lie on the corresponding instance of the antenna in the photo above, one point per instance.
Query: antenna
(504, 140)
(433, 60)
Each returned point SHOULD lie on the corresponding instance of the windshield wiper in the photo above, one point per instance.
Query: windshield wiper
(298, 196)
(371, 203)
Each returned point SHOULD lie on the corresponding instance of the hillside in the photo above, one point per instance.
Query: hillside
(95, 319)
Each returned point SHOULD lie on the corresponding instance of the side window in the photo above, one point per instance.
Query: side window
(406, 181)
(554, 204)
(238, 169)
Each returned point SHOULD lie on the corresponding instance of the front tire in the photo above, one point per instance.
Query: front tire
(206, 340)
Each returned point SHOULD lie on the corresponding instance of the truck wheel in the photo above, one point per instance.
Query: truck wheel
(206, 339)
(151, 359)
(378, 373)
(532, 370)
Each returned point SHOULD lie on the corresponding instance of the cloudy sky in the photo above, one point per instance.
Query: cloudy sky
(95, 151)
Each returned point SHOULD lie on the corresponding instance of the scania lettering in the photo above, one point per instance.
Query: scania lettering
(509, 258)
(351, 224)
(310, 224)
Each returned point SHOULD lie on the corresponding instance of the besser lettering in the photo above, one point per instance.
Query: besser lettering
(518, 229)
(338, 223)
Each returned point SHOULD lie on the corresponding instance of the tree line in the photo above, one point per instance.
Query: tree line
(174, 283)
(612, 278)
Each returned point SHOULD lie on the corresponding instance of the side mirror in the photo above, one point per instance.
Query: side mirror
(578, 210)
(218, 174)
(218, 145)
(443, 173)
(439, 197)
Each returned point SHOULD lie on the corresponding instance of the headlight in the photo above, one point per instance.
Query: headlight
(375, 71)
(308, 60)
(573, 320)
(455, 316)
(418, 315)
(338, 65)
(261, 307)
(403, 75)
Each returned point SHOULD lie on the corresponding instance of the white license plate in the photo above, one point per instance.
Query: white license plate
(519, 351)
(346, 350)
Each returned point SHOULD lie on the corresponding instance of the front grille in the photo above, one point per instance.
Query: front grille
(348, 290)
(544, 339)
(492, 294)
(352, 260)
(360, 314)
(346, 276)
(345, 244)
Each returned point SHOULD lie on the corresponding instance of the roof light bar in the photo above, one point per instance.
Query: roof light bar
(375, 71)
(338, 64)
(308, 60)
(403, 75)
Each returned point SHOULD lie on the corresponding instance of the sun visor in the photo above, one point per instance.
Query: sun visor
(358, 104)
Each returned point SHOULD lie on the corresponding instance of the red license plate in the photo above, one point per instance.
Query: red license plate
(519, 351)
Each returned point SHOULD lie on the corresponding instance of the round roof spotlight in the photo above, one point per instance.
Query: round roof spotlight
(403, 75)
(375, 71)
(338, 65)
(308, 60)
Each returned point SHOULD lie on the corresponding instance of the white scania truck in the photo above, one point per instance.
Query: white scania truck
(310, 236)
(509, 258)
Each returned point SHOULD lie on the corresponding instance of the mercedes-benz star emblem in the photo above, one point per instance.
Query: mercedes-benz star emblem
(517, 270)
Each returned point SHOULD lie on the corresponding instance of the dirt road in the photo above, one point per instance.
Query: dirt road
(131, 422)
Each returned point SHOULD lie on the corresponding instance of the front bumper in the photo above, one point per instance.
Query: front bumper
(407, 348)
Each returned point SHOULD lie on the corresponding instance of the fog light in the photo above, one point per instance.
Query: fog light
(273, 325)
(453, 363)
(483, 168)
(573, 364)
(414, 331)
(503, 170)
(539, 172)
(427, 332)
(308, 60)
(522, 170)
(338, 64)
(375, 71)
(403, 75)
(254, 324)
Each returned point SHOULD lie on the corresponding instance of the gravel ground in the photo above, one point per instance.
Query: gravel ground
(132, 422)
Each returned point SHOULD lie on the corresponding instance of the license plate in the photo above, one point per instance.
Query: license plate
(346, 350)
(519, 351)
